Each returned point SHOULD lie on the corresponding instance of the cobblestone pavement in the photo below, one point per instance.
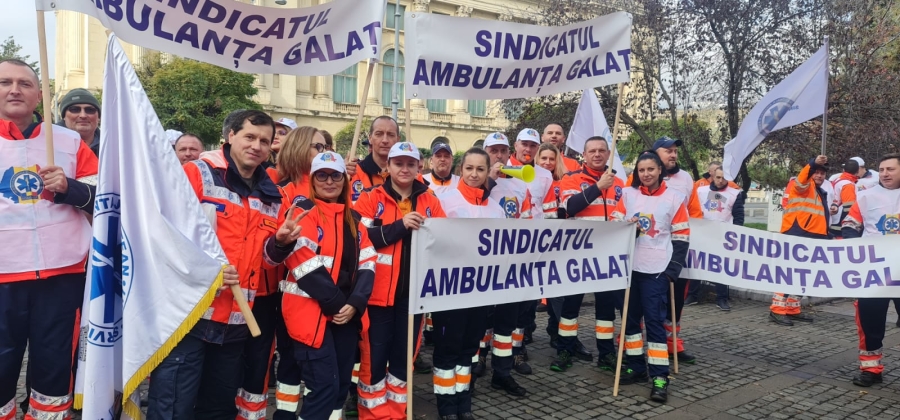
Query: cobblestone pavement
(747, 368)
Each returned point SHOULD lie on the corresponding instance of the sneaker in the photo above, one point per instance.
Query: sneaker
(351, 408)
(723, 304)
(802, 317)
(780, 319)
(562, 363)
(421, 366)
(582, 353)
(607, 362)
(867, 379)
(691, 301)
(479, 368)
(520, 365)
(508, 384)
(631, 377)
(659, 392)
(685, 358)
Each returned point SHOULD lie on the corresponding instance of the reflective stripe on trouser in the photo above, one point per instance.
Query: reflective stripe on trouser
(657, 354)
(605, 306)
(486, 341)
(649, 298)
(671, 348)
(604, 330)
(444, 381)
(783, 304)
(871, 315)
(355, 377)
(429, 326)
(42, 407)
(383, 348)
(287, 397)
(518, 335)
(250, 406)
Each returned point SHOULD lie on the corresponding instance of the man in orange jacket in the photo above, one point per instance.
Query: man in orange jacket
(806, 215)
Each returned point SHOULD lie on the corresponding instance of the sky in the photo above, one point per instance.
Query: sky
(19, 20)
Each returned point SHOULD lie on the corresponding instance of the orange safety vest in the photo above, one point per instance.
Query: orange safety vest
(570, 164)
(552, 202)
(243, 223)
(381, 214)
(603, 206)
(316, 264)
(806, 213)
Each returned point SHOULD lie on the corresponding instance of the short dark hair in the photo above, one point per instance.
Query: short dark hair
(183, 135)
(229, 121)
(20, 63)
(648, 155)
(851, 167)
(889, 156)
(596, 138)
(384, 117)
(255, 117)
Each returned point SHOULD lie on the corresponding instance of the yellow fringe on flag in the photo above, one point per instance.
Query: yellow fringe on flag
(79, 401)
(129, 408)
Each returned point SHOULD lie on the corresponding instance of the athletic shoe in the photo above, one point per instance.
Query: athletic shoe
(691, 301)
(351, 408)
(780, 319)
(562, 363)
(508, 384)
(659, 392)
(631, 377)
(685, 358)
(867, 379)
(723, 304)
(802, 317)
(607, 362)
(582, 353)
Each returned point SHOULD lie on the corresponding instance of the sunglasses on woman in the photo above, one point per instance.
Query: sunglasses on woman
(335, 176)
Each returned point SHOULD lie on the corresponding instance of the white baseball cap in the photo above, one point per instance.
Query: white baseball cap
(328, 160)
(859, 160)
(495, 139)
(287, 122)
(404, 149)
(529, 134)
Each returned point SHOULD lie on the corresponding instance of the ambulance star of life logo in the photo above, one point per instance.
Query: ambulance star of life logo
(510, 207)
(23, 185)
(647, 224)
(714, 204)
(111, 273)
(889, 224)
(773, 113)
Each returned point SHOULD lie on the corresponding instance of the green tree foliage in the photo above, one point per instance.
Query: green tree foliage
(11, 49)
(694, 133)
(344, 138)
(196, 97)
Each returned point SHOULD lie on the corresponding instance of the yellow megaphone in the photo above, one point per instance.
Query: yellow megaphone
(525, 173)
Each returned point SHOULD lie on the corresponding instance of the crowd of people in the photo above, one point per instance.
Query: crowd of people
(320, 246)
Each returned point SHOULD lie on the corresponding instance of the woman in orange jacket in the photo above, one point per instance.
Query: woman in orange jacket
(391, 212)
(548, 157)
(660, 251)
(457, 332)
(331, 274)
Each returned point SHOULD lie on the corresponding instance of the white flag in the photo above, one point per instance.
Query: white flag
(156, 262)
(798, 98)
(589, 122)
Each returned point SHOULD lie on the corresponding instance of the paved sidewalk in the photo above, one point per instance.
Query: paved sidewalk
(748, 368)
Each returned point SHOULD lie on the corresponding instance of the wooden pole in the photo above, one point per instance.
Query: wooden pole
(409, 364)
(245, 310)
(615, 134)
(362, 110)
(827, 74)
(621, 342)
(674, 324)
(45, 87)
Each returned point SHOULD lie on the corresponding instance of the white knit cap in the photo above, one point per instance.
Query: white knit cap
(328, 160)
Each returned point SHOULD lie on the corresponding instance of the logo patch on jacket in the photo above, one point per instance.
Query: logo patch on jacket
(510, 207)
(585, 185)
(428, 212)
(320, 232)
(22, 185)
(357, 188)
(379, 210)
(889, 224)
(618, 192)
(715, 202)
(647, 224)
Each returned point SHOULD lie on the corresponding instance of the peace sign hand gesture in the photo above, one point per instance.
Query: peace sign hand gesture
(290, 229)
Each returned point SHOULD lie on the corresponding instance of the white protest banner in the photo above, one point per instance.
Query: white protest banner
(465, 263)
(760, 260)
(463, 58)
(310, 41)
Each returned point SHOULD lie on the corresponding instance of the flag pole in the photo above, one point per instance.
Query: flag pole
(362, 110)
(408, 122)
(615, 136)
(409, 365)
(674, 326)
(45, 87)
(827, 74)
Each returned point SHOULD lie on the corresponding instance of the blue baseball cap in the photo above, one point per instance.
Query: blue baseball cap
(441, 146)
(666, 142)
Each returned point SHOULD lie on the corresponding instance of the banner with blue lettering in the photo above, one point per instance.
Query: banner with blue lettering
(465, 263)
(463, 58)
(311, 41)
(772, 262)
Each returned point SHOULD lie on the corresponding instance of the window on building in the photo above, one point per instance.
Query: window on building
(387, 78)
(344, 86)
(477, 108)
(436, 105)
(389, 18)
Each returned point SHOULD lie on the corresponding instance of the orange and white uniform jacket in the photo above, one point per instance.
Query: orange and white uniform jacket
(663, 229)
(584, 200)
(806, 213)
